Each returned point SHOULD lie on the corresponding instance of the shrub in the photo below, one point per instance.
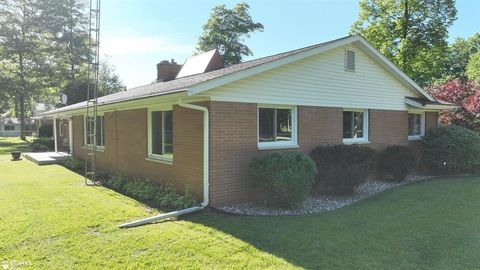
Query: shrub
(143, 189)
(42, 145)
(341, 168)
(45, 131)
(451, 149)
(73, 163)
(395, 162)
(285, 177)
(162, 195)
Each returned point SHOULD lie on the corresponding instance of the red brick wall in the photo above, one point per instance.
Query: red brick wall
(388, 128)
(126, 147)
(431, 120)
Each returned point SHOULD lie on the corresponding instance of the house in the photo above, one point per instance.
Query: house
(10, 126)
(202, 129)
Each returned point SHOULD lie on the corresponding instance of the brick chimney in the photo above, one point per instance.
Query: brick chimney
(167, 71)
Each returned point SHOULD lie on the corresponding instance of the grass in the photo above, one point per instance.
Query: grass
(50, 220)
(9, 144)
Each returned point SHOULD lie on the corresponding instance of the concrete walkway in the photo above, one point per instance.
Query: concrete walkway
(46, 158)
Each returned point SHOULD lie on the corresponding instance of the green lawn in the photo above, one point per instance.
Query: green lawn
(50, 220)
(9, 144)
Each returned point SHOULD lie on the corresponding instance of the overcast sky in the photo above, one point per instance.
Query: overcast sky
(137, 34)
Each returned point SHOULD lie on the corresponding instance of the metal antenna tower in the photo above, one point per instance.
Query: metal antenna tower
(92, 91)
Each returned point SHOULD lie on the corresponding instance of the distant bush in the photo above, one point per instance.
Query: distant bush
(161, 195)
(451, 149)
(286, 178)
(341, 168)
(74, 163)
(45, 131)
(396, 162)
(42, 145)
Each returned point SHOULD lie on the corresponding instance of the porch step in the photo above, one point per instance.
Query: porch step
(46, 158)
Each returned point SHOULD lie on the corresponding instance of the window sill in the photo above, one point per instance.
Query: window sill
(273, 147)
(98, 148)
(415, 138)
(163, 160)
(348, 142)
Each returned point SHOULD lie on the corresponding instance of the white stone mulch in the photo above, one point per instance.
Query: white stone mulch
(321, 203)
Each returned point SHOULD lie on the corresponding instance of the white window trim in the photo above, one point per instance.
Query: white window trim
(100, 148)
(422, 126)
(165, 159)
(366, 125)
(280, 144)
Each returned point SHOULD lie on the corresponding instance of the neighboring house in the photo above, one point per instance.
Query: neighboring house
(210, 122)
(10, 127)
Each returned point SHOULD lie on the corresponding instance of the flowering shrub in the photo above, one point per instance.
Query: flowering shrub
(465, 94)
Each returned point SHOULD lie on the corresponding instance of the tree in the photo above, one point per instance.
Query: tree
(460, 52)
(463, 93)
(226, 30)
(411, 33)
(108, 83)
(24, 42)
(473, 67)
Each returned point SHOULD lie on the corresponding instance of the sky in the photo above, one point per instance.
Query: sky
(138, 34)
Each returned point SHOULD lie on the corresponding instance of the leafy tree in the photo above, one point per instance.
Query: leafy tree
(411, 33)
(24, 43)
(226, 30)
(473, 67)
(460, 52)
(463, 93)
(108, 83)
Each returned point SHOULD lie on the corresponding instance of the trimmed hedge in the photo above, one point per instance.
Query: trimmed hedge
(451, 149)
(285, 177)
(341, 168)
(74, 164)
(397, 161)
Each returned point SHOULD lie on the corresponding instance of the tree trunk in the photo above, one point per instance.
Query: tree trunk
(22, 118)
(406, 18)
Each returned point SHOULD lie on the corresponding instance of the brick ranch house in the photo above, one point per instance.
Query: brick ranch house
(203, 123)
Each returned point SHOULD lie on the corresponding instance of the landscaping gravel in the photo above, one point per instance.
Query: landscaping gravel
(321, 203)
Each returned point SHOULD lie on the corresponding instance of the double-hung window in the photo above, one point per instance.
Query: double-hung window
(416, 125)
(355, 126)
(161, 135)
(94, 124)
(9, 128)
(277, 126)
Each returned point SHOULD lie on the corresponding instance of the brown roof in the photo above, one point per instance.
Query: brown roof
(181, 84)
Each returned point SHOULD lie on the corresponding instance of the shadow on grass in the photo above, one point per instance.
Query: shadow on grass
(8, 144)
(401, 228)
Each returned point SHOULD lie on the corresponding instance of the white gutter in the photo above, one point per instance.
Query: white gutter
(205, 176)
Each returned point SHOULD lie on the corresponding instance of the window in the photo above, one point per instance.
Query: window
(416, 125)
(355, 126)
(97, 137)
(349, 60)
(60, 128)
(161, 135)
(276, 126)
(9, 128)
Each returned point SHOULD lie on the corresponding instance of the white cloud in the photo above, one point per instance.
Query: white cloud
(135, 45)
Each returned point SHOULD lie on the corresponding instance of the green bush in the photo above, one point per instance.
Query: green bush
(286, 178)
(74, 163)
(341, 168)
(396, 162)
(42, 145)
(161, 195)
(143, 189)
(451, 149)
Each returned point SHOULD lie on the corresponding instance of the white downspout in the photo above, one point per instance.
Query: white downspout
(55, 133)
(205, 176)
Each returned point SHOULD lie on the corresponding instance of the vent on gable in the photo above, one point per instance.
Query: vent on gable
(349, 60)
